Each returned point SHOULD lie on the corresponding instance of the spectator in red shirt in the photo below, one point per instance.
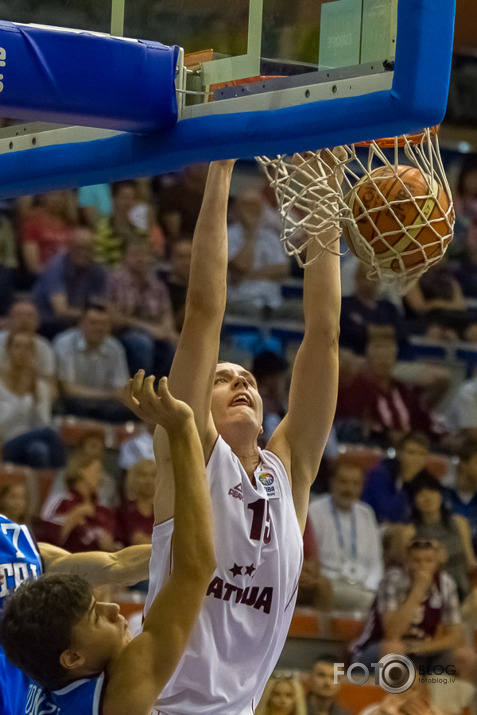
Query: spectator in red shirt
(45, 228)
(136, 515)
(378, 407)
(141, 310)
(78, 523)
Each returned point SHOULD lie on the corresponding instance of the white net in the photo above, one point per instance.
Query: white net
(391, 198)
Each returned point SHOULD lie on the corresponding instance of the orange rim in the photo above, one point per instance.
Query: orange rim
(390, 142)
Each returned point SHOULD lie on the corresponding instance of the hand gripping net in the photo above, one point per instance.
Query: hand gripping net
(310, 201)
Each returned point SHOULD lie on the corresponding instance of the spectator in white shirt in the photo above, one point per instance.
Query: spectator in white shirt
(347, 539)
(92, 369)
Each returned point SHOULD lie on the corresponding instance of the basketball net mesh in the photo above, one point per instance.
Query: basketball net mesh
(310, 207)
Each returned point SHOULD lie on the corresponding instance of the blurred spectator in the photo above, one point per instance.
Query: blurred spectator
(364, 308)
(8, 263)
(271, 373)
(114, 234)
(322, 688)
(464, 244)
(386, 488)
(92, 369)
(375, 406)
(14, 502)
(347, 539)
(464, 410)
(433, 521)
(136, 448)
(177, 279)
(142, 312)
(180, 199)
(77, 521)
(69, 283)
(257, 260)
(283, 695)
(25, 409)
(23, 317)
(415, 701)
(437, 301)
(135, 517)
(416, 612)
(462, 499)
(95, 203)
(45, 228)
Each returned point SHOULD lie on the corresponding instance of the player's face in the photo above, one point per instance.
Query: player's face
(100, 636)
(282, 699)
(235, 397)
(322, 679)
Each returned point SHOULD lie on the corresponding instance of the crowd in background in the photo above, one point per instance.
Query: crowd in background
(93, 285)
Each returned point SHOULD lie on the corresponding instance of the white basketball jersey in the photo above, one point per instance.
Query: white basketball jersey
(244, 622)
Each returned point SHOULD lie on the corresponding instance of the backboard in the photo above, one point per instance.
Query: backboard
(268, 77)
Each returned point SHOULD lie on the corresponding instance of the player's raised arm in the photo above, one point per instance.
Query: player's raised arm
(125, 567)
(300, 439)
(150, 659)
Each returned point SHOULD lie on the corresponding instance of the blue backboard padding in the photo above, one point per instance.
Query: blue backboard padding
(81, 78)
(417, 99)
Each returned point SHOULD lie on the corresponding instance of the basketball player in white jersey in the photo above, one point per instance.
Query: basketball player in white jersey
(260, 497)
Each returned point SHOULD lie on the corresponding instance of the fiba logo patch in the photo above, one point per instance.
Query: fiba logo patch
(270, 484)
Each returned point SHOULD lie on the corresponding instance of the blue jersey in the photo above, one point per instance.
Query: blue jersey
(19, 561)
(82, 697)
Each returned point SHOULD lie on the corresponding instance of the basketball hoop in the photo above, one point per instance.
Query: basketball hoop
(403, 229)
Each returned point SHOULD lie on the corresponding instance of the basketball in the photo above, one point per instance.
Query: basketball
(400, 216)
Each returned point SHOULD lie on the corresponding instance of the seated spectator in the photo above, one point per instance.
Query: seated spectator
(462, 498)
(77, 522)
(432, 520)
(8, 263)
(70, 282)
(177, 278)
(323, 689)
(271, 372)
(416, 612)
(464, 410)
(283, 695)
(257, 261)
(142, 312)
(92, 369)
(378, 408)
(136, 448)
(113, 234)
(23, 318)
(347, 539)
(386, 487)
(135, 518)
(14, 502)
(180, 199)
(437, 300)
(45, 228)
(95, 203)
(25, 409)
(364, 308)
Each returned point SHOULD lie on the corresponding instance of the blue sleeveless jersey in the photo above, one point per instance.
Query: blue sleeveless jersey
(19, 556)
(83, 697)
(19, 561)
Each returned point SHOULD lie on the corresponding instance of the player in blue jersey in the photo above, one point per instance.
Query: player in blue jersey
(77, 651)
(22, 559)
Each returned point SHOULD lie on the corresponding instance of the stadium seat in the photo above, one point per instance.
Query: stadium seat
(72, 429)
(357, 697)
(345, 628)
(305, 623)
(366, 456)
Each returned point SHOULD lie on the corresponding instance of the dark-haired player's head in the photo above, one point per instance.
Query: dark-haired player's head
(56, 632)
